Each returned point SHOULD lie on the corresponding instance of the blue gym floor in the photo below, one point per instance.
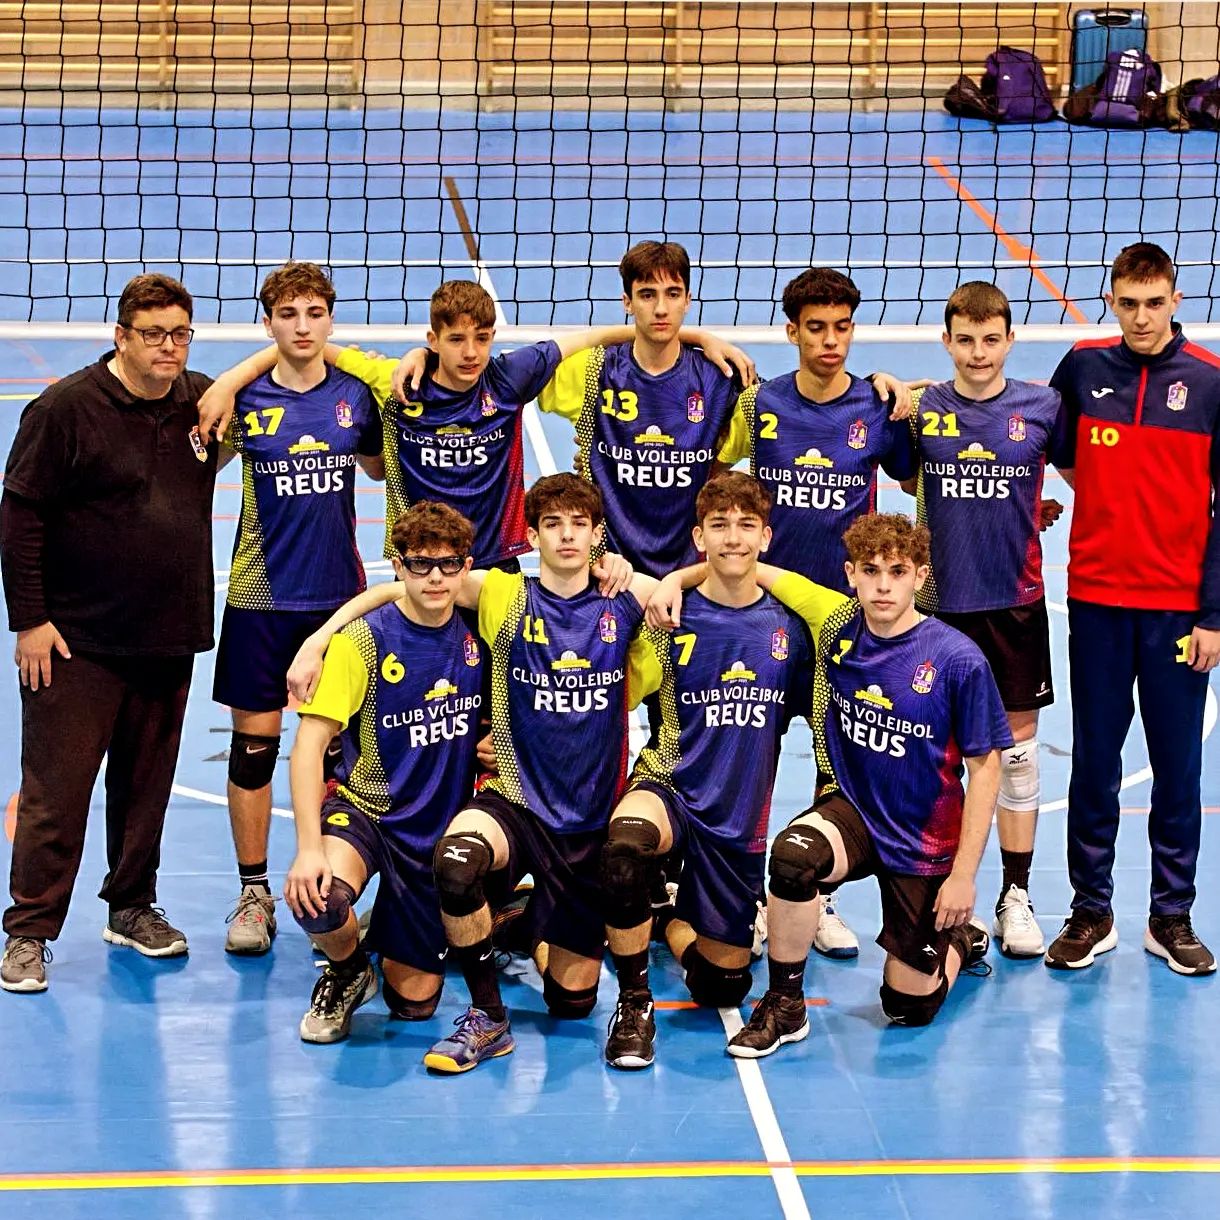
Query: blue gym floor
(180, 1089)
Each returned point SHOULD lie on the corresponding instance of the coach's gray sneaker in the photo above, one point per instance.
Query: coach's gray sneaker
(24, 965)
(146, 930)
(252, 923)
(335, 997)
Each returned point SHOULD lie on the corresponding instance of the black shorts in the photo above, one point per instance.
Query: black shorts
(565, 908)
(255, 650)
(406, 919)
(721, 881)
(908, 921)
(1016, 641)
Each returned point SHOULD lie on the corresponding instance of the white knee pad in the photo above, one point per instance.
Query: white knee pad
(1020, 785)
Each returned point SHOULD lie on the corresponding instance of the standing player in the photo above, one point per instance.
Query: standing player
(983, 442)
(1143, 601)
(815, 438)
(403, 683)
(300, 430)
(729, 682)
(903, 700)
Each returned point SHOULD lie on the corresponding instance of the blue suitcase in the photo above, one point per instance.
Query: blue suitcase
(1097, 32)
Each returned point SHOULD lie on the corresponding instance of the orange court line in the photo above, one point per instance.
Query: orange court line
(28, 380)
(462, 1174)
(1016, 251)
(10, 816)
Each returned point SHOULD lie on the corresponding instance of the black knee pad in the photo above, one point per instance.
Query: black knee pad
(714, 986)
(627, 863)
(332, 758)
(801, 856)
(252, 760)
(565, 1004)
(905, 1009)
(459, 863)
(334, 914)
(402, 1009)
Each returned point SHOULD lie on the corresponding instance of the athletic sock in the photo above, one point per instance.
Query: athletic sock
(254, 874)
(1016, 865)
(351, 965)
(786, 978)
(631, 970)
(477, 963)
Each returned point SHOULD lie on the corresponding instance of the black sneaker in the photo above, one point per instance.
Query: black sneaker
(145, 929)
(975, 940)
(1172, 938)
(776, 1019)
(1084, 936)
(335, 997)
(632, 1032)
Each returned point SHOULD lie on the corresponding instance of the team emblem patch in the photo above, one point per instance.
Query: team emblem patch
(489, 403)
(198, 447)
(1176, 401)
(779, 644)
(343, 413)
(857, 435)
(470, 650)
(694, 408)
(1016, 428)
(607, 627)
(925, 675)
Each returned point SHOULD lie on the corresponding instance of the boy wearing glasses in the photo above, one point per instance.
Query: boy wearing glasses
(300, 429)
(106, 540)
(403, 685)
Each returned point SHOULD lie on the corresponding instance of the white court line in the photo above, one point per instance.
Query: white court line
(1210, 713)
(787, 1184)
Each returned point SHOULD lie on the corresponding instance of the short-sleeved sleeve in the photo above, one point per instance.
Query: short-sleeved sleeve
(899, 460)
(496, 597)
(343, 684)
(371, 441)
(1061, 380)
(528, 369)
(375, 371)
(645, 667)
(736, 444)
(812, 602)
(1062, 447)
(980, 724)
(40, 461)
(564, 394)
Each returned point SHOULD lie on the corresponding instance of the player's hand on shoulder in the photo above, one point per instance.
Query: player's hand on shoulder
(613, 574)
(730, 359)
(955, 902)
(664, 609)
(896, 393)
(409, 374)
(215, 409)
(308, 883)
(1203, 653)
(33, 652)
(305, 670)
(1049, 511)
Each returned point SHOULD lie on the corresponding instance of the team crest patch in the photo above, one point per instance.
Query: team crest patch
(470, 650)
(694, 408)
(925, 675)
(607, 628)
(857, 435)
(779, 644)
(1016, 428)
(198, 447)
(343, 413)
(1176, 401)
(489, 403)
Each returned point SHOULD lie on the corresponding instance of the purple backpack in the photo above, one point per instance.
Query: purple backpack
(1130, 81)
(1016, 82)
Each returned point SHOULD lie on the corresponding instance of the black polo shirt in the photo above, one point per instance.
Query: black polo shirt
(125, 502)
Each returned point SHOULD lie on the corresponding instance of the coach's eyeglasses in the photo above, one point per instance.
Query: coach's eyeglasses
(422, 565)
(154, 336)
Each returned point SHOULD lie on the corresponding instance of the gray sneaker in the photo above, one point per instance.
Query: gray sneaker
(24, 965)
(335, 997)
(252, 923)
(146, 930)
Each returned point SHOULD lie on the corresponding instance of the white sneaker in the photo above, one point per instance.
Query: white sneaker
(1015, 926)
(833, 938)
(758, 948)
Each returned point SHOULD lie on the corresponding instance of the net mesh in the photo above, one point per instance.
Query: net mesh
(530, 143)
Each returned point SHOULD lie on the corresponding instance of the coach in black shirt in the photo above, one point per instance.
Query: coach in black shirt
(106, 542)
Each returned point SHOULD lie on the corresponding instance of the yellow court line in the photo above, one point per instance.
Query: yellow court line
(459, 1174)
(17, 397)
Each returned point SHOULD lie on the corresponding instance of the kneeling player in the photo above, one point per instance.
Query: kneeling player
(403, 683)
(906, 699)
(729, 683)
